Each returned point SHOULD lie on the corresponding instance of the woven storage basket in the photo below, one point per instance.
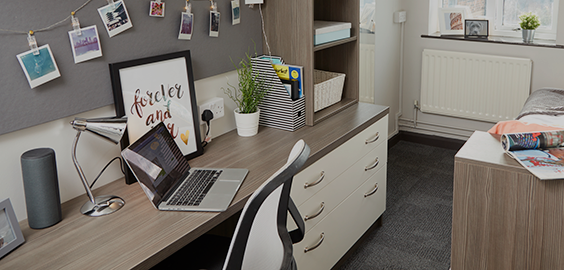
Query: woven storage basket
(328, 88)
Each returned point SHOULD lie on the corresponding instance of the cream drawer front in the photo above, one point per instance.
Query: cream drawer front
(342, 227)
(326, 200)
(329, 167)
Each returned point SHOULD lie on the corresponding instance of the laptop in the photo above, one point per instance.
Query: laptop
(169, 181)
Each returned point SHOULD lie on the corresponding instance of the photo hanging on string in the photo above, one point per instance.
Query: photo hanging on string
(186, 26)
(85, 46)
(214, 23)
(40, 68)
(115, 17)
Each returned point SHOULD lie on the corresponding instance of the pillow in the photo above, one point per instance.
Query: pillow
(515, 126)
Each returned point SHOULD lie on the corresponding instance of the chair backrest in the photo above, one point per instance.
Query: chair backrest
(261, 240)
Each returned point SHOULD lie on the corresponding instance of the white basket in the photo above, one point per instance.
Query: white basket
(328, 88)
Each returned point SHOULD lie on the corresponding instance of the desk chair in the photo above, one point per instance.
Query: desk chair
(261, 240)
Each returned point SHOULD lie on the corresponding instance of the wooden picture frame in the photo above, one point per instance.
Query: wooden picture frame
(451, 21)
(158, 89)
(11, 235)
(476, 29)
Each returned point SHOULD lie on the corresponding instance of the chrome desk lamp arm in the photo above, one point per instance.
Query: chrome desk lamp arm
(79, 169)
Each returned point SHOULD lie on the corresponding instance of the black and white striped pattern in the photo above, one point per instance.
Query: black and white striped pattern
(278, 110)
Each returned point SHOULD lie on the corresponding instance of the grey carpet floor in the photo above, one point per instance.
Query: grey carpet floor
(416, 228)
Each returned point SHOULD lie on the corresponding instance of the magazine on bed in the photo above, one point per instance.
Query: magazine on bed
(542, 153)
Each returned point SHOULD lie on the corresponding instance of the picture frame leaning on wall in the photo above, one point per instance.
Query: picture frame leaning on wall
(11, 235)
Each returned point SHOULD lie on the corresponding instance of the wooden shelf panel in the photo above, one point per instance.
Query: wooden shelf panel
(333, 43)
(333, 109)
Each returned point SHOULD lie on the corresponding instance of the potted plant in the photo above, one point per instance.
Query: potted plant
(529, 22)
(247, 96)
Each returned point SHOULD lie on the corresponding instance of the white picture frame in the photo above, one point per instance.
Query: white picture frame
(11, 235)
(85, 46)
(115, 17)
(40, 68)
(451, 21)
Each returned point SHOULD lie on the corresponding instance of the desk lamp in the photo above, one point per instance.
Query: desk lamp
(112, 129)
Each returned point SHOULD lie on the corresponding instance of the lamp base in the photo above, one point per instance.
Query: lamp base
(105, 205)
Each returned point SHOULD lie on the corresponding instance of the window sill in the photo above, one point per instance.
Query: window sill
(500, 40)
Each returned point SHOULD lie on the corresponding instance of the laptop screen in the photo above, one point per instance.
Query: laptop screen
(156, 162)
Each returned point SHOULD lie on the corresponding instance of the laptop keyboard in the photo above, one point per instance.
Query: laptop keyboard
(195, 188)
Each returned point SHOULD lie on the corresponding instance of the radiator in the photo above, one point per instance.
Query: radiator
(366, 76)
(474, 86)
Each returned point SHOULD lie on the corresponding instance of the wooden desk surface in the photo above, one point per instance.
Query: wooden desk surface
(139, 236)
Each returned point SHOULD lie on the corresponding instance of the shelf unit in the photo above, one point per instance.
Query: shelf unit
(288, 26)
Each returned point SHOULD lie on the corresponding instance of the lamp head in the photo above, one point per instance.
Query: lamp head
(110, 128)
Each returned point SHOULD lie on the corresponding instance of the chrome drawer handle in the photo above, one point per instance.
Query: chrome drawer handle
(372, 191)
(306, 218)
(376, 137)
(306, 185)
(308, 249)
(372, 166)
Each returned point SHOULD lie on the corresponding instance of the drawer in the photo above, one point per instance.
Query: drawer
(342, 227)
(326, 200)
(329, 167)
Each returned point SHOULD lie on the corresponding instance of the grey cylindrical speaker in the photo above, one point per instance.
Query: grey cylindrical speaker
(43, 202)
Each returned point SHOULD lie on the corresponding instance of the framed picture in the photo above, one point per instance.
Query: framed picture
(186, 26)
(115, 17)
(451, 21)
(40, 68)
(158, 89)
(11, 235)
(157, 9)
(85, 46)
(476, 29)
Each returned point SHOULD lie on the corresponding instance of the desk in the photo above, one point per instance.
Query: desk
(139, 236)
(503, 216)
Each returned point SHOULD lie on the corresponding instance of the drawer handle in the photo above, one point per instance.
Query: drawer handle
(372, 191)
(372, 166)
(306, 185)
(308, 249)
(376, 137)
(306, 218)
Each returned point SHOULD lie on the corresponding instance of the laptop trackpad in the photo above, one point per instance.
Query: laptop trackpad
(221, 192)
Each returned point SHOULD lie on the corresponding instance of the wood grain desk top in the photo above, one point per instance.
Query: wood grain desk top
(138, 236)
(485, 148)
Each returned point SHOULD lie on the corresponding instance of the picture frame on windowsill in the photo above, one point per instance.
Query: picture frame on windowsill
(476, 29)
(451, 21)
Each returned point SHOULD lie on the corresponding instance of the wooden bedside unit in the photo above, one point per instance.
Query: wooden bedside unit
(503, 216)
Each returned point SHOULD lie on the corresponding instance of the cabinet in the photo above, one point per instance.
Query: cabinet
(503, 217)
(288, 27)
(340, 196)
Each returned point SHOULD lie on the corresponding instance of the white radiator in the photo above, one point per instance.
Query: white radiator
(366, 76)
(474, 86)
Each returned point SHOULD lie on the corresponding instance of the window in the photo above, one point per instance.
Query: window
(504, 14)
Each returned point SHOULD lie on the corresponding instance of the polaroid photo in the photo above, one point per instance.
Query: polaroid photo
(235, 12)
(85, 46)
(186, 26)
(40, 68)
(214, 23)
(157, 9)
(115, 17)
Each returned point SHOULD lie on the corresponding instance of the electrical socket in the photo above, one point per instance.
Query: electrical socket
(215, 105)
(400, 16)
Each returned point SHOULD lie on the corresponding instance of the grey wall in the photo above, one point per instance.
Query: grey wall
(86, 86)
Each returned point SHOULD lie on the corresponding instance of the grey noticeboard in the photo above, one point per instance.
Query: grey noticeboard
(86, 86)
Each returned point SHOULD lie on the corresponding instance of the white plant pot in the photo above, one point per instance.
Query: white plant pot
(247, 123)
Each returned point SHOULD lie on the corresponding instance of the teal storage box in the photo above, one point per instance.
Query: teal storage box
(327, 31)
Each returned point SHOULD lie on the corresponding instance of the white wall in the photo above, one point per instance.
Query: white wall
(548, 65)
(92, 152)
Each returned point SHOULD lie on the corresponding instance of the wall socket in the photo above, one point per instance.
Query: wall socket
(400, 16)
(215, 105)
